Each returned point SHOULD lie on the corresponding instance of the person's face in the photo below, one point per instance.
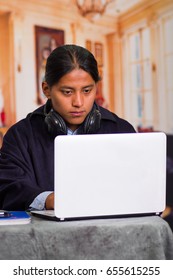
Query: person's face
(73, 96)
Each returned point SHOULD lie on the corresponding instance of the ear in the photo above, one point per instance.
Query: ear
(46, 90)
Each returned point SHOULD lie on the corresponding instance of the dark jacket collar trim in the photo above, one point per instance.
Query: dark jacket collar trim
(107, 115)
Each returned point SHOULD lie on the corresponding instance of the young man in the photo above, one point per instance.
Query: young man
(27, 154)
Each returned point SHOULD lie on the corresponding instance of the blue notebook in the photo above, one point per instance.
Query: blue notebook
(15, 218)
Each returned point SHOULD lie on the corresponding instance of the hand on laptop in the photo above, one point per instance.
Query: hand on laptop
(49, 204)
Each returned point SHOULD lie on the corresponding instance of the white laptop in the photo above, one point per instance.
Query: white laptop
(109, 175)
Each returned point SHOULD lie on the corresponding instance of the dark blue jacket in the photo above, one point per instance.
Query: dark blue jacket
(27, 157)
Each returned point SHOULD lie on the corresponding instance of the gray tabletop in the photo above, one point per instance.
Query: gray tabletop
(146, 238)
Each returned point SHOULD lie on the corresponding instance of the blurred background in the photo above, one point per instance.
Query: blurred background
(132, 41)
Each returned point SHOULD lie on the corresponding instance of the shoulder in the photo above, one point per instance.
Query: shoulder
(24, 127)
(110, 121)
(19, 127)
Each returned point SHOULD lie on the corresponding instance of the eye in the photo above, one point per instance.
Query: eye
(87, 90)
(67, 91)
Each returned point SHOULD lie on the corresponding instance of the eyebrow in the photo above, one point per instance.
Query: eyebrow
(69, 87)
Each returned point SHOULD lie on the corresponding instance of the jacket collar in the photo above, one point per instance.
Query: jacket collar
(107, 115)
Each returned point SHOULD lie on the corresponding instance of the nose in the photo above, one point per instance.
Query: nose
(77, 100)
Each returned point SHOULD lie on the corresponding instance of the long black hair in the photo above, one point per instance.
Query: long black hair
(66, 58)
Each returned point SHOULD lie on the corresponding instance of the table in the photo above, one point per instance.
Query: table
(141, 238)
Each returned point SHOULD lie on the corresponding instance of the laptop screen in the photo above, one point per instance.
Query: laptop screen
(109, 174)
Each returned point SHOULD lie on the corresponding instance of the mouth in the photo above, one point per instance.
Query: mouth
(77, 113)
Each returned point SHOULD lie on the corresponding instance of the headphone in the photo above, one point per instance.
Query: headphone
(57, 126)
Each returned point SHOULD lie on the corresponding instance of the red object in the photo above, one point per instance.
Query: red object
(3, 117)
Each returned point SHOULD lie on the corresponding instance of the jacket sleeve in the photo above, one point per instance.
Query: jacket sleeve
(18, 185)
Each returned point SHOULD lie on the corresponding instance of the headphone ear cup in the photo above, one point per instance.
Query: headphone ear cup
(55, 123)
(92, 121)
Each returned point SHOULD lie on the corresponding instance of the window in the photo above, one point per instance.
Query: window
(147, 75)
(167, 55)
(139, 93)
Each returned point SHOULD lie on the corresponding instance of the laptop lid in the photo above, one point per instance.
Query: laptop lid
(109, 175)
